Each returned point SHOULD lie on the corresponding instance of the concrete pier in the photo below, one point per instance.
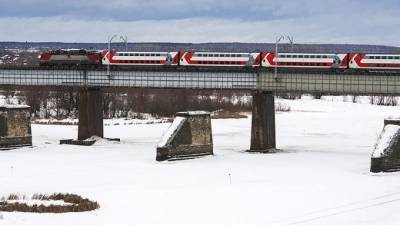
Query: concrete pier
(263, 123)
(189, 136)
(90, 114)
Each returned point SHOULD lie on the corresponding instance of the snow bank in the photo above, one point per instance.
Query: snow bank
(388, 133)
(171, 132)
(31, 202)
(193, 113)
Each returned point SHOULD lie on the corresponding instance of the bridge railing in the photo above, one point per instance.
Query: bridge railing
(323, 82)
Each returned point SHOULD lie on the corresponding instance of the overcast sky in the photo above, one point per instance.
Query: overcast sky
(308, 21)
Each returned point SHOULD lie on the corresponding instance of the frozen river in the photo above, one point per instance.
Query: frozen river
(320, 177)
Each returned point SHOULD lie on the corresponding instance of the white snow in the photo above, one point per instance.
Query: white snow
(320, 177)
(384, 140)
(172, 131)
(31, 202)
(195, 112)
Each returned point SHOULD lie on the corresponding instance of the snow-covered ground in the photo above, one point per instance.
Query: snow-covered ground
(320, 177)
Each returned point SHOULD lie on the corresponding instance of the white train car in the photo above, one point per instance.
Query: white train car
(305, 60)
(139, 58)
(220, 59)
(374, 61)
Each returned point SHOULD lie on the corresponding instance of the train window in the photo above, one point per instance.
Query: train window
(306, 56)
(152, 54)
(312, 56)
(384, 57)
(324, 56)
(294, 56)
(141, 54)
(289, 56)
(397, 57)
(390, 57)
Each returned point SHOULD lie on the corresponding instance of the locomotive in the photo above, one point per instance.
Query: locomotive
(70, 57)
(356, 61)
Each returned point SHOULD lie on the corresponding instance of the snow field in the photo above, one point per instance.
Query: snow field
(320, 177)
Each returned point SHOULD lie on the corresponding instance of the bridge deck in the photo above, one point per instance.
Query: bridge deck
(324, 82)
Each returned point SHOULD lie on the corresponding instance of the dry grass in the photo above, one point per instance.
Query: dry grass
(77, 204)
(222, 114)
(281, 107)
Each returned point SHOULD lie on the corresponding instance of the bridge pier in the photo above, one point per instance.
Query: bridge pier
(263, 123)
(90, 113)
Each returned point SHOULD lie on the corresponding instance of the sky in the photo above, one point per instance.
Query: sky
(196, 21)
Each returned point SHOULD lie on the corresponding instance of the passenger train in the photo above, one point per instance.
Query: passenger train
(357, 61)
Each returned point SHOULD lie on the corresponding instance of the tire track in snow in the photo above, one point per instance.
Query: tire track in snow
(338, 210)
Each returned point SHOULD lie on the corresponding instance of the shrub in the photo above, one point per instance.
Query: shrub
(77, 204)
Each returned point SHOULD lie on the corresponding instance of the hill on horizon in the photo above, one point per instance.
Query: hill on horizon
(212, 46)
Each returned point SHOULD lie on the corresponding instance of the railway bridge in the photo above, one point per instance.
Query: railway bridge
(91, 83)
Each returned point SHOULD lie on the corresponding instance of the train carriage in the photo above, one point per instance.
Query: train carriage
(220, 59)
(140, 58)
(305, 60)
(374, 61)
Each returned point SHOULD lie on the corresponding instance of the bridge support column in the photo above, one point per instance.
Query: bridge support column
(263, 123)
(90, 113)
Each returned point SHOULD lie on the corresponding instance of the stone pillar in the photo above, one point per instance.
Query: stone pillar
(386, 154)
(189, 136)
(15, 127)
(263, 123)
(90, 113)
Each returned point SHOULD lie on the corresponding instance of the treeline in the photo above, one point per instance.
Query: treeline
(132, 103)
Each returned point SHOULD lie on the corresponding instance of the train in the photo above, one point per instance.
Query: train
(101, 58)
